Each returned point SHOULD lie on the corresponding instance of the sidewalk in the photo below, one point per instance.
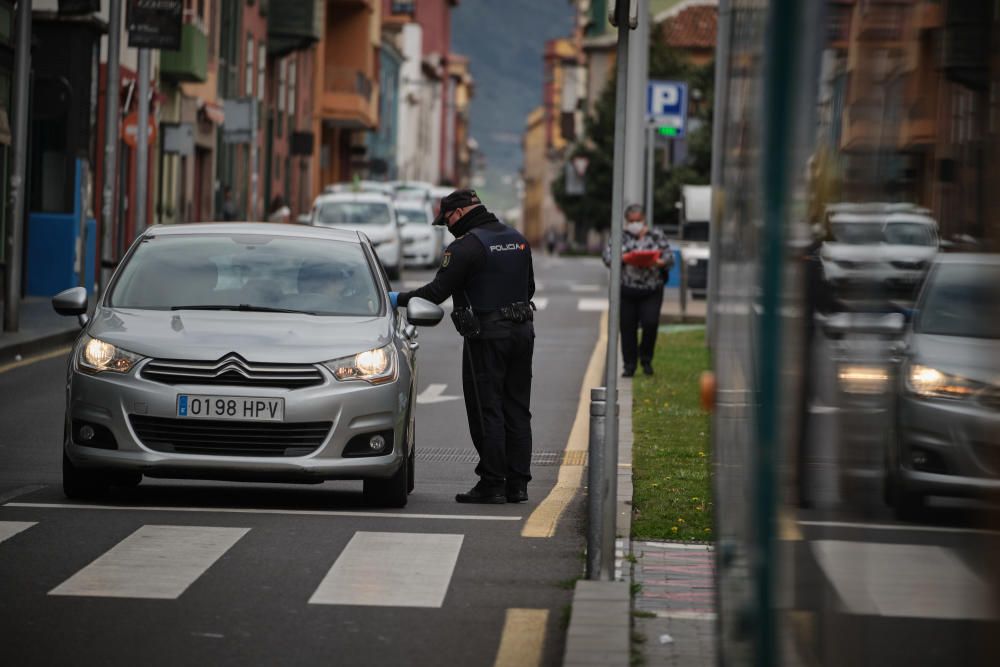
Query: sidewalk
(671, 617)
(41, 329)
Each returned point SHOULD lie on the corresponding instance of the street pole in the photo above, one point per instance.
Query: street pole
(142, 144)
(650, 166)
(15, 235)
(635, 135)
(610, 487)
(111, 116)
(721, 104)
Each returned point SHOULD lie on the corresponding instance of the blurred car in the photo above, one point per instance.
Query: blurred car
(243, 352)
(878, 253)
(380, 187)
(422, 242)
(948, 420)
(370, 213)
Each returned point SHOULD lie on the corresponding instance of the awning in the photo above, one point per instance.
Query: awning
(213, 112)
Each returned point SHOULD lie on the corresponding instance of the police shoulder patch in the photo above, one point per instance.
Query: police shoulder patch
(446, 260)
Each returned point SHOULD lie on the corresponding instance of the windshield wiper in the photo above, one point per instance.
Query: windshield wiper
(246, 308)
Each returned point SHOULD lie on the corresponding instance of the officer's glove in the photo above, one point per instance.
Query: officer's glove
(394, 298)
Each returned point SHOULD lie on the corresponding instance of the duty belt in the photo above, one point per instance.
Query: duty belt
(515, 312)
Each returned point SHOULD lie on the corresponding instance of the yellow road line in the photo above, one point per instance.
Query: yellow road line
(31, 360)
(543, 521)
(523, 638)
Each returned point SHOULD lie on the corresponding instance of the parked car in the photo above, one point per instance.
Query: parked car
(876, 253)
(370, 213)
(379, 187)
(422, 242)
(244, 351)
(948, 419)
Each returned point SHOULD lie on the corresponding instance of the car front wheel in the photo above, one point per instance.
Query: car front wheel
(391, 492)
(80, 484)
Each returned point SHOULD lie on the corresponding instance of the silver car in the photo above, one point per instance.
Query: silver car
(948, 422)
(244, 351)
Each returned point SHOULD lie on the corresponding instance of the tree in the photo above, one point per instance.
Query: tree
(592, 209)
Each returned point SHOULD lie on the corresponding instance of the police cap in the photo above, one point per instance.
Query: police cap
(456, 200)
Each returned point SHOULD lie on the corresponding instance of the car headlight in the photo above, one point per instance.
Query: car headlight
(96, 356)
(932, 383)
(857, 379)
(373, 366)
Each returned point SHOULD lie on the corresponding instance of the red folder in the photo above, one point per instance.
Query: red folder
(642, 258)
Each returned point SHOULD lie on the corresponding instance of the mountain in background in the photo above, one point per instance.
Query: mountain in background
(505, 40)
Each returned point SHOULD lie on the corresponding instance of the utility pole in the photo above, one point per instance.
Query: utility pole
(111, 117)
(625, 64)
(15, 235)
(650, 169)
(721, 101)
(142, 144)
(635, 127)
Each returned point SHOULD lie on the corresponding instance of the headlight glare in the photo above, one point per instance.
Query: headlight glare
(863, 379)
(98, 356)
(373, 366)
(932, 383)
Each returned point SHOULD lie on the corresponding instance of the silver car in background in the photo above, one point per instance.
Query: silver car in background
(244, 351)
(423, 243)
(370, 213)
(948, 421)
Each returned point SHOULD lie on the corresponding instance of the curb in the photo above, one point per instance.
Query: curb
(600, 627)
(9, 351)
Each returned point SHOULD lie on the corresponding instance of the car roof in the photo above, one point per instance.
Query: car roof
(874, 218)
(366, 197)
(911, 217)
(266, 228)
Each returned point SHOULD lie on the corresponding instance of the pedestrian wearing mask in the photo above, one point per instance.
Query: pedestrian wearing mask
(646, 262)
(488, 273)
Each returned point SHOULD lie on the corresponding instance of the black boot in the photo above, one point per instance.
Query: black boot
(517, 492)
(628, 371)
(647, 367)
(483, 494)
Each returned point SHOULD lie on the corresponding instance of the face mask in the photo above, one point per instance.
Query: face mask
(634, 228)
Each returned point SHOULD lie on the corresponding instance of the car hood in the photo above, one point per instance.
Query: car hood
(977, 359)
(264, 337)
(376, 233)
(875, 253)
(416, 230)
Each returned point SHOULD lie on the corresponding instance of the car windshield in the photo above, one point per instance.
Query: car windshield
(856, 233)
(961, 300)
(353, 213)
(248, 272)
(909, 233)
(415, 215)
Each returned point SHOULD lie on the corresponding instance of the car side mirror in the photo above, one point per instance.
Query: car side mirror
(72, 302)
(423, 313)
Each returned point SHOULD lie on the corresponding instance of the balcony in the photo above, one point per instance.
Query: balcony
(881, 23)
(349, 98)
(862, 127)
(190, 63)
(294, 25)
(919, 127)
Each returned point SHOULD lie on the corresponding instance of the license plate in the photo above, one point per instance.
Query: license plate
(240, 408)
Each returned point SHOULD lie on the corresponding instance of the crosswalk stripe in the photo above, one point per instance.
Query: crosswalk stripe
(156, 562)
(584, 288)
(541, 303)
(9, 529)
(391, 570)
(592, 305)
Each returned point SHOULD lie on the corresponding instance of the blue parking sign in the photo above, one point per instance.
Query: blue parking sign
(666, 105)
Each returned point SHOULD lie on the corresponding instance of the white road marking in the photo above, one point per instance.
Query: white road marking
(592, 305)
(585, 288)
(903, 580)
(434, 393)
(541, 303)
(391, 570)
(899, 527)
(155, 562)
(240, 510)
(9, 529)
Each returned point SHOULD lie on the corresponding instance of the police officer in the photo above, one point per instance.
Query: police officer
(488, 273)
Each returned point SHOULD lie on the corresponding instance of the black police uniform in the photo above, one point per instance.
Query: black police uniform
(488, 268)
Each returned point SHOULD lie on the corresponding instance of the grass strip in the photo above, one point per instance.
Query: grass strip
(672, 497)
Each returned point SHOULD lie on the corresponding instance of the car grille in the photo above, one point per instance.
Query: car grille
(232, 370)
(229, 438)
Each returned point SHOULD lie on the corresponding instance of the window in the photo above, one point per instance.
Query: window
(248, 80)
(292, 83)
(261, 70)
(282, 77)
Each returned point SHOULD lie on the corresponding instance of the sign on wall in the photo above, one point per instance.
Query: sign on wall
(154, 24)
